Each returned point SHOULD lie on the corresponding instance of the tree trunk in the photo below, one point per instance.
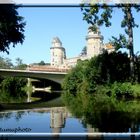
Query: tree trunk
(130, 43)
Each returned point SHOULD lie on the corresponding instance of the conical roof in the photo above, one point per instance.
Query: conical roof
(56, 40)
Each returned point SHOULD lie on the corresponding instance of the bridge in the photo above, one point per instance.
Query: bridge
(49, 74)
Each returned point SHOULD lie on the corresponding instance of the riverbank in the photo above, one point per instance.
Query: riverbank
(56, 102)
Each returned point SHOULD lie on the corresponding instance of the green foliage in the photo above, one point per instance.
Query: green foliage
(137, 69)
(100, 87)
(122, 90)
(120, 42)
(84, 51)
(103, 90)
(92, 14)
(41, 63)
(75, 77)
(110, 68)
(20, 64)
(117, 91)
(103, 69)
(99, 14)
(103, 111)
(12, 89)
(136, 89)
(5, 63)
(11, 27)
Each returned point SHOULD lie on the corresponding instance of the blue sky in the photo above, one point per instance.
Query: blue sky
(42, 24)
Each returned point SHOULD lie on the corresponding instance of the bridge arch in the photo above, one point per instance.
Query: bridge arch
(57, 77)
(44, 83)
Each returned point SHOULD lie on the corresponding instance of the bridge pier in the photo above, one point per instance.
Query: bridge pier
(29, 85)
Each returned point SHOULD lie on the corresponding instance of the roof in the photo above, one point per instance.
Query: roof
(56, 40)
(109, 46)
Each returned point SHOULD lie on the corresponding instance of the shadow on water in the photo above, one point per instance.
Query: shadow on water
(122, 121)
(46, 96)
(105, 114)
(45, 99)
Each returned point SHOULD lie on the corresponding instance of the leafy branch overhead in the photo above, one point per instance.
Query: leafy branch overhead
(100, 14)
(120, 42)
(11, 27)
(93, 15)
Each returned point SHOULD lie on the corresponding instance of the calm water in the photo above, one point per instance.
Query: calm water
(50, 120)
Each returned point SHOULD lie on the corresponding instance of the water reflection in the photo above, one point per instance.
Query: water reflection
(60, 120)
(49, 120)
(114, 121)
(56, 120)
(104, 113)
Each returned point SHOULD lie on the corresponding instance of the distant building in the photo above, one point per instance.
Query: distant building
(59, 62)
(94, 46)
(57, 52)
(94, 43)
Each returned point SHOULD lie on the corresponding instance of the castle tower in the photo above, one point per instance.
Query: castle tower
(57, 121)
(94, 43)
(57, 52)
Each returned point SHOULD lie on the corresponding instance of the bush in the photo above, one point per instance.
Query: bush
(73, 81)
(108, 68)
(12, 89)
(122, 90)
(100, 70)
(73, 103)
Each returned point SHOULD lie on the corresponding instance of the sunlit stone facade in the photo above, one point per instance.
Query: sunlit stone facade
(57, 52)
(94, 44)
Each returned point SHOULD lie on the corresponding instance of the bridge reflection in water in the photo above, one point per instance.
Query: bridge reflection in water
(54, 77)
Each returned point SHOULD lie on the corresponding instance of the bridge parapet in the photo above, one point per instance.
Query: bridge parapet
(46, 68)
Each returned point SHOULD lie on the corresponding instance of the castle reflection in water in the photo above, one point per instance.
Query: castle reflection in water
(58, 116)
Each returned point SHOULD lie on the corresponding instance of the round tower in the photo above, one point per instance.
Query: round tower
(94, 42)
(57, 121)
(57, 52)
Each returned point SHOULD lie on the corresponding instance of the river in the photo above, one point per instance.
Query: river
(47, 122)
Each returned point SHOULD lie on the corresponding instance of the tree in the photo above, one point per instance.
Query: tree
(20, 64)
(97, 14)
(104, 69)
(5, 63)
(18, 61)
(84, 51)
(41, 63)
(11, 27)
(12, 86)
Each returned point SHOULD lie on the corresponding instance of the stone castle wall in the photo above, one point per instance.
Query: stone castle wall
(94, 44)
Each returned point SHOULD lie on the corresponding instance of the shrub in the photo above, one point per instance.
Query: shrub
(75, 78)
(122, 90)
(12, 89)
(99, 70)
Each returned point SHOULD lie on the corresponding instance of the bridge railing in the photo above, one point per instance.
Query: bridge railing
(47, 68)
